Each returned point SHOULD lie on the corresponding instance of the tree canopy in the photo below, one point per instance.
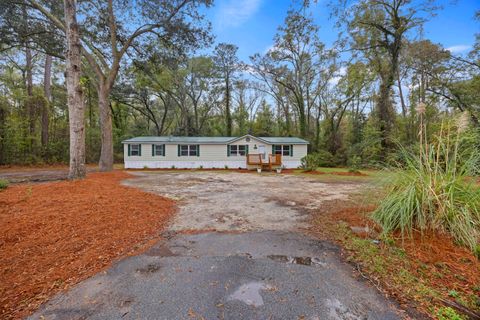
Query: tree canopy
(153, 68)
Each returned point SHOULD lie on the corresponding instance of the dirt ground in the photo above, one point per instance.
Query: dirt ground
(232, 201)
(53, 235)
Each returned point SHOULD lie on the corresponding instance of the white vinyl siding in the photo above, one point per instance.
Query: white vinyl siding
(210, 156)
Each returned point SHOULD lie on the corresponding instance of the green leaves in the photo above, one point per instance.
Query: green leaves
(434, 191)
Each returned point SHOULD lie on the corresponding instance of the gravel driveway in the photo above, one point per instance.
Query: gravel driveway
(232, 201)
(260, 266)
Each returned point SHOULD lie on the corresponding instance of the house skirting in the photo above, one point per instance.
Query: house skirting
(197, 164)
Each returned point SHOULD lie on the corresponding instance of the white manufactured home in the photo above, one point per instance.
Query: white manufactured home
(213, 152)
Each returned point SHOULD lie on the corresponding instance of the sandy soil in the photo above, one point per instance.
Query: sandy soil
(231, 201)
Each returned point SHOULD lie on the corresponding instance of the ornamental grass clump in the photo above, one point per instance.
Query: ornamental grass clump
(436, 189)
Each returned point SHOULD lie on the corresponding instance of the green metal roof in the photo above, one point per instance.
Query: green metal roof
(284, 140)
(213, 140)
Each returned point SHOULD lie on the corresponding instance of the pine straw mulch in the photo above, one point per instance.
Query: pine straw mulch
(54, 235)
(429, 270)
(338, 173)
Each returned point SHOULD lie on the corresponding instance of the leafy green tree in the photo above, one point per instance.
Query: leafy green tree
(227, 64)
(293, 67)
(264, 124)
(378, 30)
(107, 37)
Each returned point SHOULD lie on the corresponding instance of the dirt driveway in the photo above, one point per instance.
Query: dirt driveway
(261, 266)
(232, 201)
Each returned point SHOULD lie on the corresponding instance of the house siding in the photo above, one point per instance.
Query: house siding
(211, 156)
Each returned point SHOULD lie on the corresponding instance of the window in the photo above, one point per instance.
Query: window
(134, 150)
(158, 150)
(283, 149)
(192, 150)
(237, 150)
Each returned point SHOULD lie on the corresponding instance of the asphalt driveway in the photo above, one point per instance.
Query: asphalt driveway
(235, 250)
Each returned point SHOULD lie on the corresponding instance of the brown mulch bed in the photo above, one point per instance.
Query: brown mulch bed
(338, 173)
(434, 258)
(313, 172)
(54, 235)
(353, 174)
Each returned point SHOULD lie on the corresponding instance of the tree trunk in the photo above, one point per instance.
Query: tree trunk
(228, 116)
(402, 99)
(76, 105)
(47, 90)
(30, 106)
(28, 69)
(3, 117)
(384, 109)
(106, 155)
(302, 122)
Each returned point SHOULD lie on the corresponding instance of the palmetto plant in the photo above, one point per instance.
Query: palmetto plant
(434, 190)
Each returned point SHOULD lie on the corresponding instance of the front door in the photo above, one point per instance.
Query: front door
(261, 150)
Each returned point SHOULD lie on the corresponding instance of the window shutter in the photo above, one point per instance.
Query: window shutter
(228, 150)
(291, 150)
(246, 150)
(129, 154)
(163, 151)
(140, 150)
(178, 150)
(198, 150)
(153, 150)
(273, 149)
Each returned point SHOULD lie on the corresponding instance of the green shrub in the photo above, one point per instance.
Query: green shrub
(325, 159)
(309, 162)
(354, 164)
(434, 191)
(314, 160)
(3, 184)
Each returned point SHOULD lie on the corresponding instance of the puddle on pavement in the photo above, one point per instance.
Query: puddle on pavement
(151, 268)
(249, 293)
(304, 261)
(160, 251)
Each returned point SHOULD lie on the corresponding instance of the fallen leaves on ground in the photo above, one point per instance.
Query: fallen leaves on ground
(54, 235)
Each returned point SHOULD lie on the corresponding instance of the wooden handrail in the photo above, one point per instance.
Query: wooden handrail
(255, 159)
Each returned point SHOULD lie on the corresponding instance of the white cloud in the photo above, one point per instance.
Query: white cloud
(233, 13)
(459, 48)
(269, 48)
(341, 72)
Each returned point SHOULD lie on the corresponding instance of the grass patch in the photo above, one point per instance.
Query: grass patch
(386, 265)
(447, 313)
(3, 184)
